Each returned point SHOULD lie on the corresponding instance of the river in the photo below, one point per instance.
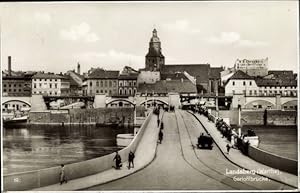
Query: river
(280, 140)
(35, 147)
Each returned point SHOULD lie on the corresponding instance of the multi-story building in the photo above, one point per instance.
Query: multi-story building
(50, 84)
(127, 84)
(263, 88)
(16, 83)
(257, 67)
(100, 81)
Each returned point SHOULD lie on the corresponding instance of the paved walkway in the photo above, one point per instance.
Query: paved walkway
(144, 154)
(169, 170)
(238, 158)
(215, 160)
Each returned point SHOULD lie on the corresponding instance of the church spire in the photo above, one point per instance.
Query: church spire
(154, 58)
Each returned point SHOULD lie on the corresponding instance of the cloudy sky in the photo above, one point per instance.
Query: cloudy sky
(55, 36)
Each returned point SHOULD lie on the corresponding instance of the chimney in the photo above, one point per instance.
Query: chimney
(78, 68)
(9, 65)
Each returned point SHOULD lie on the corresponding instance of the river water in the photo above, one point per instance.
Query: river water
(36, 147)
(280, 140)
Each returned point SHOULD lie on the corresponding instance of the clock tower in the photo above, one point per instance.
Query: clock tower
(155, 60)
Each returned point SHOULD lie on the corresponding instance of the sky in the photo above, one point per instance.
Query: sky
(54, 37)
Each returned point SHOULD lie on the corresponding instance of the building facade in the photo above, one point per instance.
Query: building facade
(257, 67)
(264, 91)
(101, 81)
(50, 84)
(127, 84)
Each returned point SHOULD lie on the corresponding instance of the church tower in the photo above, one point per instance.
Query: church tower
(155, 60)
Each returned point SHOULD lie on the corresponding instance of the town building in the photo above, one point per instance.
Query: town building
(100, 81)
(264, 89)
(50, 84)
(256, 67)
(155, 60)
(16, 83)
(127, 82)
(76, 81)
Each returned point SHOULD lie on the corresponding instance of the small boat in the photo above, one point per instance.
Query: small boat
(16, 120)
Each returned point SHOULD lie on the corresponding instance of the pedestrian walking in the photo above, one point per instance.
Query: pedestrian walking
(130, 159)
(63, 178)
(158, 121)
(118, 160)
(160, 136)
(228, 148)
(162, 126)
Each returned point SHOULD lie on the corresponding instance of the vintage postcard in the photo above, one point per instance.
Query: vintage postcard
(149, 96)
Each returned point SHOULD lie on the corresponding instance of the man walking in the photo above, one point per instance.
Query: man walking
(118, 160)
(228, 148)
(62, 174)
(130, 159)
(160, 136)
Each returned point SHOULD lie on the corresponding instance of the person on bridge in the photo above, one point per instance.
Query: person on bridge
(118, 160)
(63, 178)
(130, 159)
(160, 136)
(228, 148)
(162, 126)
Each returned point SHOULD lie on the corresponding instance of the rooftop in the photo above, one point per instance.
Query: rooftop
(240, 75)
(99, 73)
(199, 71)
(48, 76)
(164, 87)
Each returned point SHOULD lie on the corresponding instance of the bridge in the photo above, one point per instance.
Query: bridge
(175, 164)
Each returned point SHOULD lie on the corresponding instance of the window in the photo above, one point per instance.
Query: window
(105, 91)
(4, 90)
(20, 90)
(259, 106)
(34, 85)
(250, 83)
(97, 83)
(4, 85)
(115, 83)
(55, 85)
(120, 83)
(40, 85)
(233, 83)
(97, 91)
(233, 91)
(55, 93)
(105, 83)
(91, 83)
(15, 85)
(50, 85)
(55, 80)
(134, 83)
(244, 83)
(110, 83)
(101, 91)
(250, 92)
(109, 92)
(20, 85)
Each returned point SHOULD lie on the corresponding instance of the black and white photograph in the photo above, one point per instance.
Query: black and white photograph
(148, 96)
